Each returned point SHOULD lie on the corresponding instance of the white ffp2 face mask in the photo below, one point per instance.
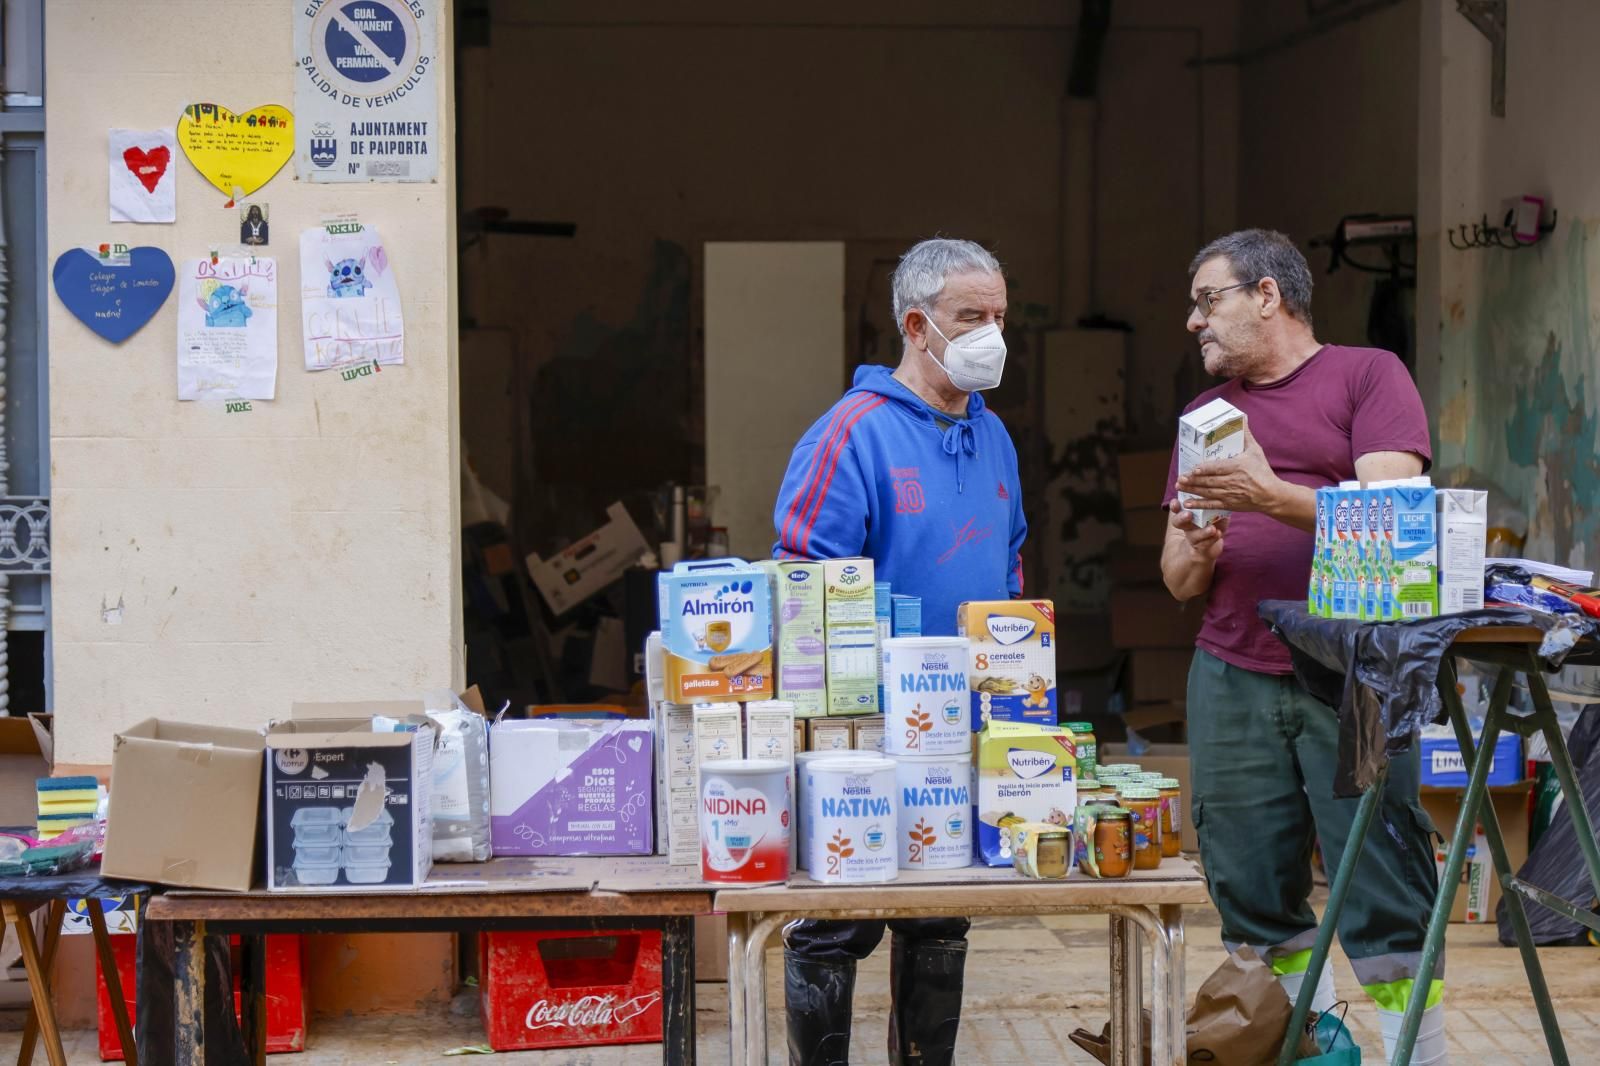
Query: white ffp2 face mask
(973, 361)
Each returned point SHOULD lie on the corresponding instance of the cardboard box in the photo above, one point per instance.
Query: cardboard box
(906, 614)
(185, 805)
(867, 733)
(553, 989)
(1013, 674)
(1463, 534)
(1479, 892)
(1158, 675)
(1416, 549)
(582, 569)
(716, 631)
(25, 750)
(1169, 759)
(571, 787)
(1443, 765)
(1142, 477)
(1143, 717)
(1151, 618)
(348, 809)
(769, 731)
(853, 664)
(829, 734)
(1211, 432)
(797, 603)
(850, 592)
(1145, 527)
(1026, 773)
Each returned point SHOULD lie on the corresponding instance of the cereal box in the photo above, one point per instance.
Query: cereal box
(1026, 773)
(802, 656)
(716, 631)
(1013, 674)
(851, 592)
(853, 669)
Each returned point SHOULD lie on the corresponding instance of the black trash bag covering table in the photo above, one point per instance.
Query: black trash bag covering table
(1382, 677)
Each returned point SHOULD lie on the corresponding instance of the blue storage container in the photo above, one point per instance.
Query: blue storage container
(1444, 767)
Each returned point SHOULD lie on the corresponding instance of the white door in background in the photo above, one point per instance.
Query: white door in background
(774, 327)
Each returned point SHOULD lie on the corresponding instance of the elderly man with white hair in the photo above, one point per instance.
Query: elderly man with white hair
(910, 469)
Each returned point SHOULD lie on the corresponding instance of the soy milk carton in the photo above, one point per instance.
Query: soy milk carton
(1026, 773)
(716, 631)
(1013, 672)
(1212, 431)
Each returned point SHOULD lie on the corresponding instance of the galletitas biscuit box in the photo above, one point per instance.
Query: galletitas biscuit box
(1013, 670)
(716, 631)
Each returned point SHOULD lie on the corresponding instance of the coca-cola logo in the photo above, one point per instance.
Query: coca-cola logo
(588, 1011)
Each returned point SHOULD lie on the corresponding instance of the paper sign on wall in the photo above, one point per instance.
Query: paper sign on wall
(114, 289)
(349, 301)
(228, 328)
(366, 90)
(143, 180)
(238, 153)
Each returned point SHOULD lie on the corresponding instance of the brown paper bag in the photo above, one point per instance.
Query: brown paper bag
(1239, 1017)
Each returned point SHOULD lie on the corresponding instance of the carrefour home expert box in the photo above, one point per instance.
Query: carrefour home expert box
(1026, 773)
(797, 599)
(716, 631)
(1212, 431)
(347, 807)
(1013, 668)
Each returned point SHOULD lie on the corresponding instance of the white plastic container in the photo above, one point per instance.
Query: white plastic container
(936, 803)
(925, 684)
(854, 819)
(744, 821)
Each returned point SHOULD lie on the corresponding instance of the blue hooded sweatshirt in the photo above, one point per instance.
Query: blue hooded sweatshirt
(935, 502)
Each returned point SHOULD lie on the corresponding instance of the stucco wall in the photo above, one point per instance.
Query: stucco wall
(306, 550)
(1510, 361)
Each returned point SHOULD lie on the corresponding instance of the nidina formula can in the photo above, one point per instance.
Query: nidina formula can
(925, 686)
(744, 821)
(936, 797)
(852, 808)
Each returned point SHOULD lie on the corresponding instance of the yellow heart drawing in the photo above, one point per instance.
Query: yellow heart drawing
(237, 151)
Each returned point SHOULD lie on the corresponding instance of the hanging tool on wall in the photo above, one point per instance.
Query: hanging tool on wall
(1389, 318)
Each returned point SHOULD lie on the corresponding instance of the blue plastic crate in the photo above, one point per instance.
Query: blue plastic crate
(1444, 767)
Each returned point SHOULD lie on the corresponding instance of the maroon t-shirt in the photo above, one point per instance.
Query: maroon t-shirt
(1340, 404)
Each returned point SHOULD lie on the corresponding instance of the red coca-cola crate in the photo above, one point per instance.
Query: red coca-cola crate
(570, 989)
(286, 995)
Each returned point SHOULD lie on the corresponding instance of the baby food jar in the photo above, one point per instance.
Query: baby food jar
(1091, 791)
(1042, 850)
(1087, 746)
(1144, 805)
(1103, 836)
(1172, 813)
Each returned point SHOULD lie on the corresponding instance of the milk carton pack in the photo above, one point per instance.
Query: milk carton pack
(1013, 672)
(1345, 601)
(1383, 536)
(1416, 554)
(802, 654)
(1463, 531)
(883, 618)
(1213, 431)
(716, 631)
(1319, 588)
(1026, 773)
(1372, 542)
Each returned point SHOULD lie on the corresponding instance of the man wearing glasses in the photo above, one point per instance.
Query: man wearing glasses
(1263, 749)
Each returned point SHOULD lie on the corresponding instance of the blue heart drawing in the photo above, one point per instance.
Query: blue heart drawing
(114, 301)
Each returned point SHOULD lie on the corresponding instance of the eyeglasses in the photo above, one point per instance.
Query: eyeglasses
(1206, 302)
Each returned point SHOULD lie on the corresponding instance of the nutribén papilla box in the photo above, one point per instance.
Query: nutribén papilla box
(716, 631)
(1212, 431)
(1026, 773)
(1013, 673)
(797, 598)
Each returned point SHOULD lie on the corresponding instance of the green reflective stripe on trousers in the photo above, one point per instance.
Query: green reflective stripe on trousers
(1286, 965)
(1395, 995)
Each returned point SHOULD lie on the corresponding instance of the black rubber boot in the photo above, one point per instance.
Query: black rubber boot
(817, 995)
(925, 979)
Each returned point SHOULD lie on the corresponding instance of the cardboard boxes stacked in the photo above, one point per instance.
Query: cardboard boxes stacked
(1154, 632)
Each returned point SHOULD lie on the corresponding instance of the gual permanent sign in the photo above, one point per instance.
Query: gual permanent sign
(366, 90)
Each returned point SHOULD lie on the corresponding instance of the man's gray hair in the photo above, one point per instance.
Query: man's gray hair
(920, 277)
(1263, 253)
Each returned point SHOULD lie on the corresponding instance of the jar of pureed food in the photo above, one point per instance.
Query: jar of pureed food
(1108, 841)
(1088, 747)
(1143, 804)
(1172, 809)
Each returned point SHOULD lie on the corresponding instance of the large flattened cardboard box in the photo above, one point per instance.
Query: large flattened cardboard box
(185, 804)
(347, 807)
(25, 756)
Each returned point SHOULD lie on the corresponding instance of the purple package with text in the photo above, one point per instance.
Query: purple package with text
(571, 787)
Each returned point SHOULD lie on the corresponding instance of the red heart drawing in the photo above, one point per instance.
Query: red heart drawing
(147, 166)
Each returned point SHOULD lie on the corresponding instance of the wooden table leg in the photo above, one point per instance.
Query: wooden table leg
(38, 981)
(677, 986)
(113, 979)
(189, 993)
(253, 996)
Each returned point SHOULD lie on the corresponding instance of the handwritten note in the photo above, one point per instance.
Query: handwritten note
(114, 297)
(228, 329)
(349, 300)
(237, 151)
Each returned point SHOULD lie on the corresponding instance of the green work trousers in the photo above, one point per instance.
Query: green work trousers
(1263, 752)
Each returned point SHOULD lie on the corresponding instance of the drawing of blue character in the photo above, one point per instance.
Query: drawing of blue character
(225, 307)
(347, 277)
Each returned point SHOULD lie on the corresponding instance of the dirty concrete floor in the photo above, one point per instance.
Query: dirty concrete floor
(1030, 982)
